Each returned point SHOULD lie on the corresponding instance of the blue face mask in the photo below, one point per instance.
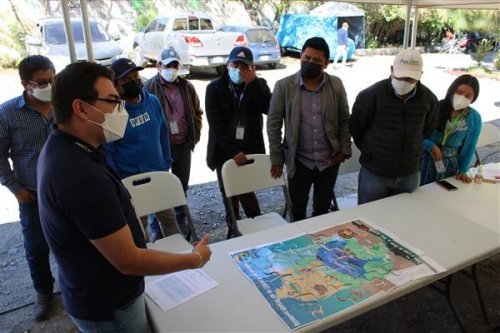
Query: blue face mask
(234, 74)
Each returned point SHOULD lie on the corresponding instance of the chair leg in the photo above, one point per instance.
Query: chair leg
(478, 160)
(287, 208)
(334, 206)
(232, 226)
(285, 211)
(191, 234)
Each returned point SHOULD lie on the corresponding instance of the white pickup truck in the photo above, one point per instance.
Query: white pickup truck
(192, 36)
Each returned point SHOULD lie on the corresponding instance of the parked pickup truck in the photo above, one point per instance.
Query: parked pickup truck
(192, 36)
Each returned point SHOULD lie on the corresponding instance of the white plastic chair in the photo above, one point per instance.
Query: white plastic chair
(348, 166)
(155, 191)
(248, 178)
(489, 134)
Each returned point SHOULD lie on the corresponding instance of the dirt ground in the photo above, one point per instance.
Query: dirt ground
(424, 310)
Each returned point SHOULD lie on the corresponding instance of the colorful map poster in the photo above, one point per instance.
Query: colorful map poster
(313, 276)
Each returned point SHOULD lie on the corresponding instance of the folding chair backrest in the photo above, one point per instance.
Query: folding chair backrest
(250, 177)
(489, 134)
(352, 164)
(155, 191)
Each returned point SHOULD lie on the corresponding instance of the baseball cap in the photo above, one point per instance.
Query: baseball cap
(241, 54)
(123, 66)
(408, 63)
(168, 55)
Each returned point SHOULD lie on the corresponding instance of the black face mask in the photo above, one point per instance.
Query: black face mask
(310, 70)
(132, 89)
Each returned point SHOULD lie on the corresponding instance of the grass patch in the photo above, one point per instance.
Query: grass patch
(479, 71)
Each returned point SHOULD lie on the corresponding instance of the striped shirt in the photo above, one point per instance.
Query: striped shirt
(23, 132)
(313, 149)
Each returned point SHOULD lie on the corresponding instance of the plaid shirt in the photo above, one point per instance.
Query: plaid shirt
(23, 132)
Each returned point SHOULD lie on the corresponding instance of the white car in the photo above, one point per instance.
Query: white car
(192, 36)
(50, 41)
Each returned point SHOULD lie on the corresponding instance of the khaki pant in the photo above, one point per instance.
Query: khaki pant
(166, 221)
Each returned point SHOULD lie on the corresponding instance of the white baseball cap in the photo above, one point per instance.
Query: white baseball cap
(408, 63)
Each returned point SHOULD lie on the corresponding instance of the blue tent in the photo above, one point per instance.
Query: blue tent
(323, 21)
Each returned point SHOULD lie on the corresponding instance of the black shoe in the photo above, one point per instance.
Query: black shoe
(43, 305)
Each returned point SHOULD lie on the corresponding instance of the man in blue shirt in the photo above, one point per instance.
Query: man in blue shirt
(145, 145)
(24, 127)
(86, 212)
(342, 36)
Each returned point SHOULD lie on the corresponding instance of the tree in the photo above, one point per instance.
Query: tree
(252, 7)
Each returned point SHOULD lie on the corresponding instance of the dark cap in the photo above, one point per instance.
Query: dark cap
(123, 66)
(241, 54)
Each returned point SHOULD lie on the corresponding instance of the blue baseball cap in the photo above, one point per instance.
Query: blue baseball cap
(241, 54)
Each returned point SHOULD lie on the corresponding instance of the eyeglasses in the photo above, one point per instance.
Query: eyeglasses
(41, 84)
(121, 102)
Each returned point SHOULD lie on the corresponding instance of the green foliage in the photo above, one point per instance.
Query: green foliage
(485, 45)
(385, 23)
(17, 36)
(146, 12)
(372, 42)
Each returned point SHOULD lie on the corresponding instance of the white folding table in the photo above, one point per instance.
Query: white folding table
(454, 238)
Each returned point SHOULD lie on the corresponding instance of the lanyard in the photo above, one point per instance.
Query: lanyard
(238, 99)
(235, 94)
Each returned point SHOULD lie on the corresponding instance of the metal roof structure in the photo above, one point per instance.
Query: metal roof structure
(468, 4)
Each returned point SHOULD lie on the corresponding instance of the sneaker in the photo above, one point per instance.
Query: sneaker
(42, 306)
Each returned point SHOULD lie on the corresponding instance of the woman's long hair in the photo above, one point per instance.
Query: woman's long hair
(446, 105)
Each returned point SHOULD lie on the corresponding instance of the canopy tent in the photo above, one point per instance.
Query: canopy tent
(323, 21)
(468, 4)
(345, 12)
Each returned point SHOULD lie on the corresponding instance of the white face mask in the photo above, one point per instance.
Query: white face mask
(114, 123)
(169, 74)
(402, 87)
(43, 94)
(460, 102)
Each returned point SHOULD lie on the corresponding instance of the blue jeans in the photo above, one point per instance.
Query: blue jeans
(131, 319)
(36, 248)
(372, 186)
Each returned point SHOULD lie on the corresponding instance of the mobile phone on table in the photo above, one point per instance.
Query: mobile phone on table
(447, 185)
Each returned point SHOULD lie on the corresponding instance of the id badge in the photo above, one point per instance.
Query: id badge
(240, 132)
(440, 168)
(174, 129)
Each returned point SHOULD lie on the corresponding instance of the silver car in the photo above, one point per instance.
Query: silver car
(50, 41)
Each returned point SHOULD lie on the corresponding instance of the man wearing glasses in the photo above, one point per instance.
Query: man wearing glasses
(24, 127)
(86, 212)
(145, 145)
(181, 105)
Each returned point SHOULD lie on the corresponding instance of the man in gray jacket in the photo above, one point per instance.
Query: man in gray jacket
(314, 107)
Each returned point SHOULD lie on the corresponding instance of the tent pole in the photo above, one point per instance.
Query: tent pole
(69, 30)
(86, 30)
(407, 24)
(414, 28)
